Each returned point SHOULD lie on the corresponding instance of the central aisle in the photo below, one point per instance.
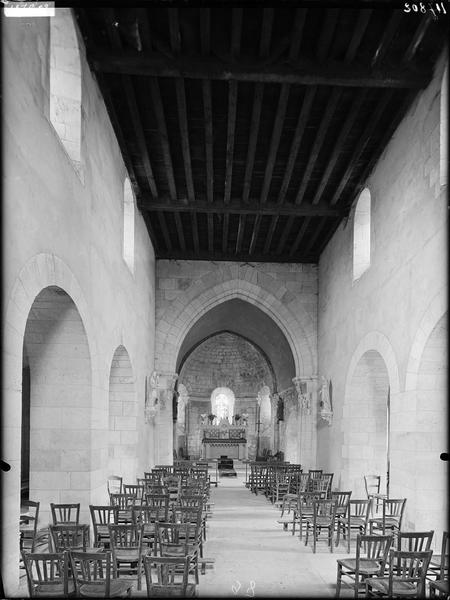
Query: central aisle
(254, 556)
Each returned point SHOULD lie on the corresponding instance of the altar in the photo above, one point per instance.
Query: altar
(224, 441)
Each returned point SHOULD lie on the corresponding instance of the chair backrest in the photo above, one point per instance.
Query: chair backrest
(123, 501)
(324, 508)
(306, 499)
(360, 508)
(103, 514)
(68, 537)
(114, 484)
(372, 484)
(342, 499)
(49, 570)
(412, 568)
(314, 473)
(29, 518)
(149, 514)
(166, 576)
(445, 552)
(126, 536)
(93, 570)
(414, 541)
(192, 500)
(155, 488)
(157, 501)
(132, 488)
(172, 539)
(65, 513)
(374, 547)
(394, 507)
(193, 516)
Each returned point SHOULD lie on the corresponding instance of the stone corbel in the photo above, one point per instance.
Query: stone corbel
(304, 394)
(325, 408)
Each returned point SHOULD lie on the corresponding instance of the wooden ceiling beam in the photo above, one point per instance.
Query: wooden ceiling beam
(236, 31)
(165, 231)
(318, 142)
(209, 148)
(194, 225)
(225, 224)
(326, 37)
(253, 138)
(388, 34)
(266, 32)
(163, 135)
(151, 232)
(329, 73)
(313, 238)
(205, 30)
(417, 37)
(144, 27)
(358, 34)
(297, 32)
(180, 233)
(174, 30)
(210, 232)
(371, 126)
(185, 147)
(273, 224)
(255, 232)
(275, 140)
(231, 125)
(337, 150)
(296, 140)
(238, 208)
(217, 255)
(240, 235)
(285, 234)
(299, 237)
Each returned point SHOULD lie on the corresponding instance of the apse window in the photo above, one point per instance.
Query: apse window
(444, 130)
(128, 225)
(65, 84)
(361, 235)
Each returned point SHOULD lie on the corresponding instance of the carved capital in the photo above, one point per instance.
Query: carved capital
(304, 393)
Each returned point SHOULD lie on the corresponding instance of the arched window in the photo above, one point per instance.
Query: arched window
(65, 83)
(361, 235)
(128, 225)
(444, 129)
(222, 404)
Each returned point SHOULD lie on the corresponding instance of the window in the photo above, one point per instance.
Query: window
(65, 84)
(361, 235)
(222, 404)
(128, 225)
(444, 130)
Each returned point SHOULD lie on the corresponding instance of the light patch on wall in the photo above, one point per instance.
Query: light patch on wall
(128, 225)
(361, 235)
(29, 9)
(444, 129)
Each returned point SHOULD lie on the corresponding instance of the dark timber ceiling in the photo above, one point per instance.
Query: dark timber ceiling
(249, 132)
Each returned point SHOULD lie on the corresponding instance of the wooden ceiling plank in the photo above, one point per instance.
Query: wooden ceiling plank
(179, 226)
(225, 224)
(329, 73)
(266, 32)
(151, 232)
(312, 239)
(185, 147)
(273, 224)
(297, 32)
(163, 135)
(209, 148)
(240, 235)
(417, 37)
(144, 27)
(194, 225)
(319, 139)
(285, 234)
(205, 30)
(255, 233)
(236, 31)
(327, 32)
(300, 236)
(336, 153)
(210, 232)
(296, 140)
(174, 30)
(372, 124)
(218, 255)
(275, 140)
(165, 231)
(231, 125)
(237, 207)
(388, 34)
(253, 138)
(358, 33)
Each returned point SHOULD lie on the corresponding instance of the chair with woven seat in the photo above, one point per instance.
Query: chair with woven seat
(114, 484)
(342, 499)
(370, 560)
(372, 484)
(29, 515)
(148, 516)
(357, 517)
(303, 510)
(391, 519)
(405, 577)
(48, 574)
(126, 547)
(124, 503)
(65, 514)
(323, 519)
(313, 474)
(440, 585)
(167, 577)
(68, 537)
(137, 490)
(102, 516)
(175, 540)
(92, 575)
(299, 484)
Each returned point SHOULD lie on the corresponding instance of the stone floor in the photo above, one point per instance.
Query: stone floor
(254, 556)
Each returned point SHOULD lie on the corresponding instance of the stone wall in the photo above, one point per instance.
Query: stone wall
(63, 227)
(392, 309)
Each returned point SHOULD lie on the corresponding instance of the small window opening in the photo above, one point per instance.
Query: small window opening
(361, 235)
(128, 225)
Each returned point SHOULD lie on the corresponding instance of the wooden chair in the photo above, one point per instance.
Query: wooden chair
(357, 517)
(174, 540)
(290, 499)
(441, 584)
(126, 547)
(193, 517)
(48, 575)
(342, 499)
(167, 577)
(124, 503)
(102, 516)
(65, 514)
(69, 537)
(323, 519)
(370, 560)
(158, 501)
(114, 484)
(372, 484)
(137, 490)
(92, 576)
(392, 516)
(405, 578)
(313, 474)
(304, 510)
(148, 516)
(28, 524)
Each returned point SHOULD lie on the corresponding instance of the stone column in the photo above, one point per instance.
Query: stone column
(162, 388)
(306, 389)
(274, 398)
